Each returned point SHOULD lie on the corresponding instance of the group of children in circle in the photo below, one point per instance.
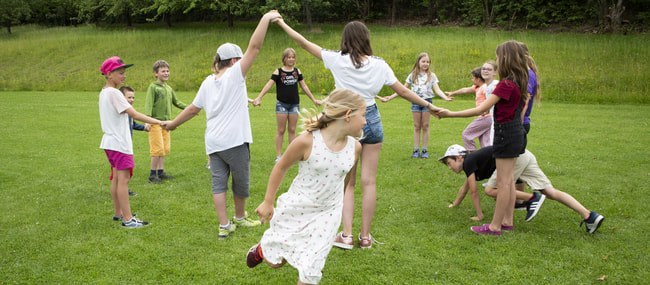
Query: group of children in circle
(346, 134)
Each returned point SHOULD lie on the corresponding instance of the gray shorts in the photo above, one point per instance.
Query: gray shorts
(526, 170)
(235, 161)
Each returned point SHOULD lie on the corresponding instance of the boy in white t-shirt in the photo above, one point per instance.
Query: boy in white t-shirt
(228, 132)
(114, 112)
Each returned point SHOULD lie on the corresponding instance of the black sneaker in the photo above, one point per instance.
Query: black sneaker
(254, 256)
(131, 193)
(534, 205)
(165, 176)
(593, 222)
(154, 179)
(521, 206)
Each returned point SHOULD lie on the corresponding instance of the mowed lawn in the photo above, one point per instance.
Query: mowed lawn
(56, 227)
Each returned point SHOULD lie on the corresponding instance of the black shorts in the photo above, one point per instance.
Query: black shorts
(509, 139)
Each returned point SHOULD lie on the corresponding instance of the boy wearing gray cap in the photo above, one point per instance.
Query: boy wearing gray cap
(228, 129)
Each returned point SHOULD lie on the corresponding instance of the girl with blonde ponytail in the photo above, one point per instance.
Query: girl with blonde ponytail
(304, 222)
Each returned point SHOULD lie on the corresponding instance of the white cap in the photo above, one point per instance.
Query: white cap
(228, 51)
(453, 150)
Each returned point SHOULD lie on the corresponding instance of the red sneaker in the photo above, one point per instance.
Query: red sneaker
(254, 256)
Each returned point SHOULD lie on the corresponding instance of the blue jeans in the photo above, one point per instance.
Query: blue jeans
(284, 108)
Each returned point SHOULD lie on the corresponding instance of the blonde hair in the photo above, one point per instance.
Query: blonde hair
(286, 54)
(416, 69)
(338, 103)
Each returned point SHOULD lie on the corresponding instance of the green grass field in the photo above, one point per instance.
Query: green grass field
(56, 209)
(581, 68)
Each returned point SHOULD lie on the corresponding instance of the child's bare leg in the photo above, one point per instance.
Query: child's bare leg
(293, 122)
(369, 162)
(240, 206)
(156, 162)
(116, 202)
(348, 203)
(220, 205)
(417, 126)
(123, 177)
(567, 200)
(504, 207)
(426, 118)
(281, 120)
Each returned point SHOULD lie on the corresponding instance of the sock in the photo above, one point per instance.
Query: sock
(240, 219)
(424, 149)
(227, 227)
(160, 171)
(153, 173)
(416, 149)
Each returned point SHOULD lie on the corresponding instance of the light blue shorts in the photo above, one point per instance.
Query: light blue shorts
(418, 108)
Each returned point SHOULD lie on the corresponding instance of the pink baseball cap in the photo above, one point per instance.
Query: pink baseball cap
(113, 63)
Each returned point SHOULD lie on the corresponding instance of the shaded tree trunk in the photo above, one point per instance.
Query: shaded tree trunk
(305, 6)
(616, 11)
(393, 13)
(129, 20)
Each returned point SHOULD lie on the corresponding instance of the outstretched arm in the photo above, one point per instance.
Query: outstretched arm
(464, 90)
(183, 117)
(484, 107)
(299, 149)
(409, 95)
(266, 88)
(310, 47)
(436, 88)
(141, 117)
(255, 43)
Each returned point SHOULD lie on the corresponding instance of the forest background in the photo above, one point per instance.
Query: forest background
(594, 16)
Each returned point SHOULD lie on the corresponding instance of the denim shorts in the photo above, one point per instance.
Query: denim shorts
(509, 141)
(373, 131)
(418, 108)
(284, 108)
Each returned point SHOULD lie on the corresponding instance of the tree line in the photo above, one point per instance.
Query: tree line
(601, 15)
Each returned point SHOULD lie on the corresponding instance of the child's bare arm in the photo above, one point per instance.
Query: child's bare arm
(256, 41)
(474, 195)
(310, 47)
(183, 117)
(141, 117)
(461, 194)
(297, 150)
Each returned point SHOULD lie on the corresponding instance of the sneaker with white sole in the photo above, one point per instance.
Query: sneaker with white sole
(593, 222)
(366, 242)
(225, 232)
(247, 221)
(344, 242)
(134, 223)
(254, 256)
(534, 205)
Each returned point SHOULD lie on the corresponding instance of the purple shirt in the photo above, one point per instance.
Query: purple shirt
(532, 90)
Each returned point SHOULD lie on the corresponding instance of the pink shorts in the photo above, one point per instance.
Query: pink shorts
(120, 161)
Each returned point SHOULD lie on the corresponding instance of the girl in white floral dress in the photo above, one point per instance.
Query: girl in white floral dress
(304, 223)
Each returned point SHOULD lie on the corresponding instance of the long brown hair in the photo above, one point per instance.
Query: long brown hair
(356, 42)
(513, 64)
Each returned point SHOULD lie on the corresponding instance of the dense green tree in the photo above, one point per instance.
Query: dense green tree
(13, 12)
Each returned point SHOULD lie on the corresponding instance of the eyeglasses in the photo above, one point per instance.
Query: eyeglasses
(486, 69)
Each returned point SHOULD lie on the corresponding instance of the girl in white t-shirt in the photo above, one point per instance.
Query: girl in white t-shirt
(423, 82)
(228, 130)
(355, 68)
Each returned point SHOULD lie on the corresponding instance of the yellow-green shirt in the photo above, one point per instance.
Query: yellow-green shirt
(158, 103)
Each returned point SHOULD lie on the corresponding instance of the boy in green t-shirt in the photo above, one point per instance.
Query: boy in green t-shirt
(158, 104)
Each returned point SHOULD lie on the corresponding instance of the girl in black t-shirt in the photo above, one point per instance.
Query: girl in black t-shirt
(287, 78)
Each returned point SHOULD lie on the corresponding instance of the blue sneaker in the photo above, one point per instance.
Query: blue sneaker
(593, 222)
(425, 154)
(416, 153)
